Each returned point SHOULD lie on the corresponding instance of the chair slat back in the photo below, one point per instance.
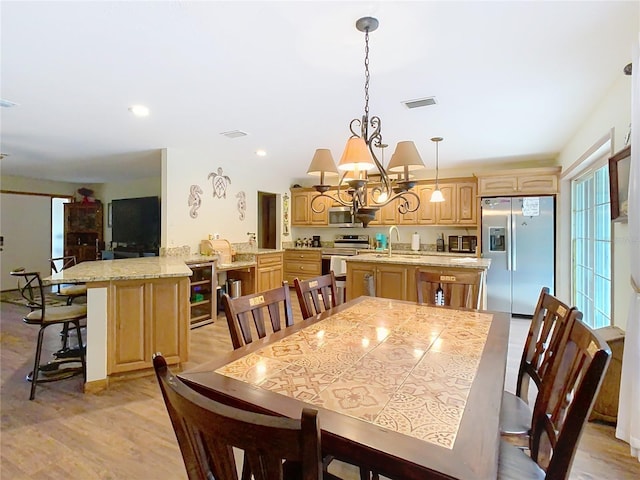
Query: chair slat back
(460, 289)
(60, 263)
(316, 294)
(207, 431)
(31, 289)
(247, 310)
(565, 401)
(549, 327)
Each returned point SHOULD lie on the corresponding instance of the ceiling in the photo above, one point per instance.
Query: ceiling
(513, 80)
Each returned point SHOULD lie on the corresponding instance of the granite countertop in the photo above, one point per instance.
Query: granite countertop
(402, 258)
(224, 267)
(121, 269)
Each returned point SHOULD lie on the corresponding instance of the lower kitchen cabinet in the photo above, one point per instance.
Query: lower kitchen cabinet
(268, 271)
(302, 264)
(396, 281)
(147, 316)
(389, 281)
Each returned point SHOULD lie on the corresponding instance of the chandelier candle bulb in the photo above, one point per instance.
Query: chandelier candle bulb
(415, 242)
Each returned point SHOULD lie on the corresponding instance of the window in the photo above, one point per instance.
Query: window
(591, 243)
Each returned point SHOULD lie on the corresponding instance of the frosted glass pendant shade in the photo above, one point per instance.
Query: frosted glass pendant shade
(436, 196)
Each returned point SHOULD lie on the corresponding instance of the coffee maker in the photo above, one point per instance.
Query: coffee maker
(316, 241)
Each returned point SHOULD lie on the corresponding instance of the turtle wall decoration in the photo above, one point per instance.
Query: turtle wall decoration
(219, 182)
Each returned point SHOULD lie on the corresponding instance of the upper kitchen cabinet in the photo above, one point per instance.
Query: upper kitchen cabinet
(301, 212)
(83, 230)
(524, 181)
(459, 207)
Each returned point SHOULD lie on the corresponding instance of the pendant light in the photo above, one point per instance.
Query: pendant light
(437, 196)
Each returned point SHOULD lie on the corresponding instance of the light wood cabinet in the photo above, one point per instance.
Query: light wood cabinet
(467, 204)
(459, 207)
(147, 316)
(268, 271)
(526, 181)
(391, 281)
(301, 211)
(394, 281)
(357, 274)
(302, 264)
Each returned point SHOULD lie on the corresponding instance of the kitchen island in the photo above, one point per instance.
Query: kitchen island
(393, 276)
(135, 307)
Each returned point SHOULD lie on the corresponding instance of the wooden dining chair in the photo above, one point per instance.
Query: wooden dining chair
(561, 409)
(550, 325)
(316, 294)
(459, 289)
(208, 431)
(242, 312)
(43, 316)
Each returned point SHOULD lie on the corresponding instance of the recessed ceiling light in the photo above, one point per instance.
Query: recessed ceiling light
(139, 110)
(261, 153)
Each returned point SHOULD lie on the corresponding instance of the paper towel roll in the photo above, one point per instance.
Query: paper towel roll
(415, 242)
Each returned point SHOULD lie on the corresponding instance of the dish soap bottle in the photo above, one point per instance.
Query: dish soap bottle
(439, 300)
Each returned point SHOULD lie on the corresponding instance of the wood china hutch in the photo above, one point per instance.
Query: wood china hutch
(83, 231)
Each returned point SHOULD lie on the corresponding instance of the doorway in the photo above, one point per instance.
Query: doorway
(267, 220)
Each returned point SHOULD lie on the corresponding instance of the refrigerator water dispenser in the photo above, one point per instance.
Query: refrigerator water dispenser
(497, 242)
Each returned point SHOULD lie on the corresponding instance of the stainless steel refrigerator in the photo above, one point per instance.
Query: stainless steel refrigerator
(518, 235)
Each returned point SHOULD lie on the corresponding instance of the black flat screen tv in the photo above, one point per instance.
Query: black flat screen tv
(136, 222)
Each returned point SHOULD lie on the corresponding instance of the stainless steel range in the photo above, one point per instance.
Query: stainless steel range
(343, 246)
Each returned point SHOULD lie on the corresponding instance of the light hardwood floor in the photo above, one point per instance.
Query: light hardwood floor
(125, 433)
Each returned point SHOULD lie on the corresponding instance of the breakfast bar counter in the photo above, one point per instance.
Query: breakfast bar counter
(135, 307)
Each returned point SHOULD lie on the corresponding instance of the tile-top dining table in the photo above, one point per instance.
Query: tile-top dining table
(407, 390)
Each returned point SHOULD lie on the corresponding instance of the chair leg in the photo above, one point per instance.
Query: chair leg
(36, 364)
(64, 333)
(81, 348)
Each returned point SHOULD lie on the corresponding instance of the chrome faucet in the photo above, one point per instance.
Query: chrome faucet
(391, 229)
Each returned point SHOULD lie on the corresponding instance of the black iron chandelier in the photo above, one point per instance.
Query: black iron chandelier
(359, 157)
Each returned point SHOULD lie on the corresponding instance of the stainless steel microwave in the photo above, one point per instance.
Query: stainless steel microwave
(342, 217)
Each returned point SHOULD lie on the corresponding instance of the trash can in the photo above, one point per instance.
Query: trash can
(369, 285)
(234, 288)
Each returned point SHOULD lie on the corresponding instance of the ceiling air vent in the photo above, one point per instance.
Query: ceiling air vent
(234, 134)
(420, 102)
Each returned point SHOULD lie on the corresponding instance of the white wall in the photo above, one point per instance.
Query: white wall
(32, 185)
(611, 116)
(181, 169)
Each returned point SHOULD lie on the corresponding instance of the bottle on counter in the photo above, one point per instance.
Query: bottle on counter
(439, 298)
(440, 243)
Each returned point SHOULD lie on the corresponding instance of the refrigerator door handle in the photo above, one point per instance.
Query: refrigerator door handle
(508, 246)
(513, 242)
